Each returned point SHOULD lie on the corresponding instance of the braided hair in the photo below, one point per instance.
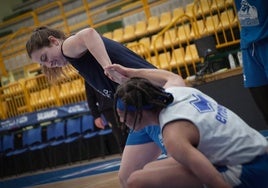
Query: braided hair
(138, 94)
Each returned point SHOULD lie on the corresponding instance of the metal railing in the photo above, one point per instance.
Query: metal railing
(170, 48)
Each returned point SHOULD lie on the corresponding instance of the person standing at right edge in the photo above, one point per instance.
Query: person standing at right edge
(253, 17)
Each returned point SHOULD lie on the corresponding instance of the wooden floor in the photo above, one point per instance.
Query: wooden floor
(107, 180)
(104, 180)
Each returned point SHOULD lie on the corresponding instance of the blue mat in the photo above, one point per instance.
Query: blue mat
(64, 174)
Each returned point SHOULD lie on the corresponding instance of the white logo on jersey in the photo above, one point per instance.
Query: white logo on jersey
(248, 15)
(107, 93)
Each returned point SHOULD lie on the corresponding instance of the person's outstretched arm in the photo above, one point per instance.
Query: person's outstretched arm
(163, 78)
(87, 39)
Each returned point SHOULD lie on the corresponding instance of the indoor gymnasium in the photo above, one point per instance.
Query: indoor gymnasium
(53, 133)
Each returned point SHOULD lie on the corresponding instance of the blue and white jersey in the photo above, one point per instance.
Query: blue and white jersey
(225, 139)
(252, 15)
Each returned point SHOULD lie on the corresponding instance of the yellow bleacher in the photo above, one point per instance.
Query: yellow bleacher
(118, 35)
(177, 59)
(165, 19)
(153, 24)
(165, 40)
(129, 33)
(170, 38)
(141, 28)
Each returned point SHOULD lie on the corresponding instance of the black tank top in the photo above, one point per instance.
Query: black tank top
(93, 73)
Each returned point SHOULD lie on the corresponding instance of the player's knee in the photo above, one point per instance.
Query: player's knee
(122, 178)
(149, 165)
(136, 180)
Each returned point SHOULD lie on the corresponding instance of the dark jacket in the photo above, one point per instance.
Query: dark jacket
(97, 102)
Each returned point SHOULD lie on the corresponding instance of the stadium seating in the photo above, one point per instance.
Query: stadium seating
(90, 136)
(73, 138)
(141, 29)
(129, 33)
(163, 36)
(56, 146)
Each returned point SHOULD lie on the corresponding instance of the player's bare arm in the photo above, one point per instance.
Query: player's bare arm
(181, 139)
(159, 77)
(87, 39)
